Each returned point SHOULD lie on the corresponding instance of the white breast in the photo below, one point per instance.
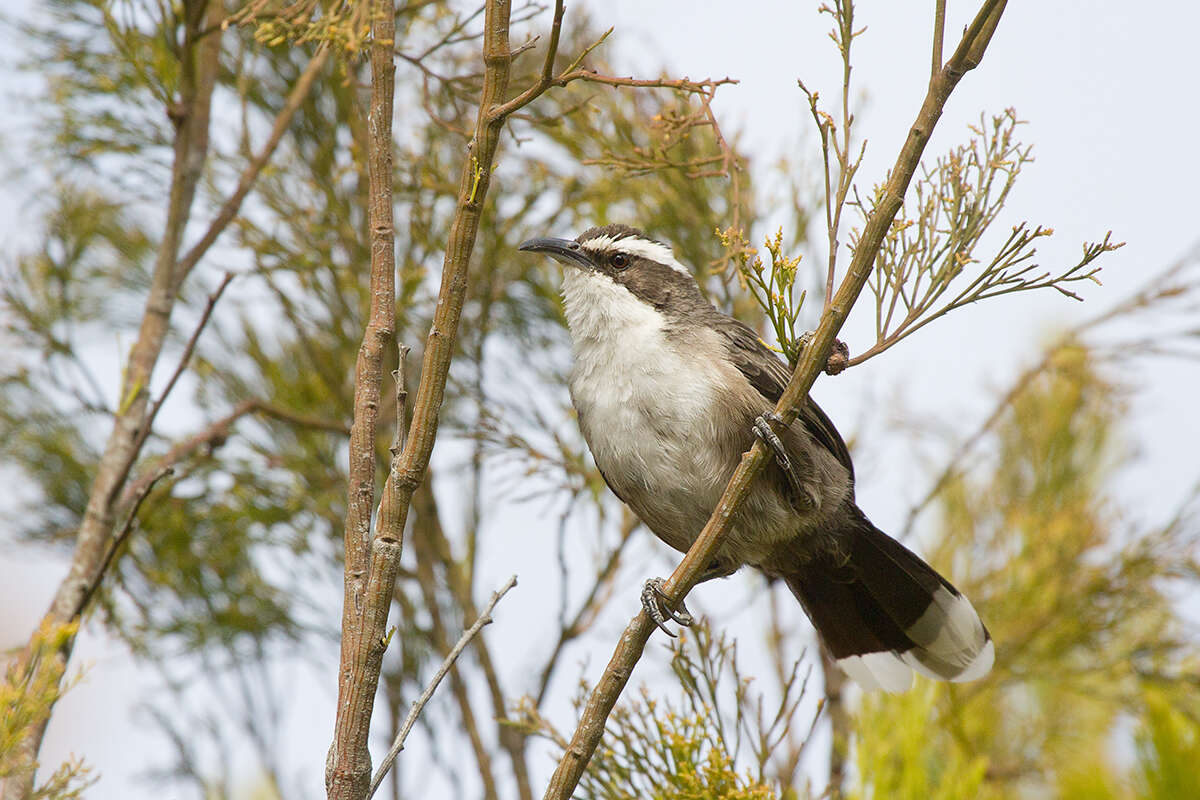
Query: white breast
(644, 403)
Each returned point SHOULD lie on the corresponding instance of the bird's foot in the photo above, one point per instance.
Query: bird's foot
(762, 428)
(654, 601)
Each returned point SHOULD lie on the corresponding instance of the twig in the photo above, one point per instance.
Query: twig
(939, 36)
(249, 176)
(218, 431)
(815, 356)
(427, 543)
(575, 73)
(188, 349)
(484, 619)
(399, 376)
(120, 538)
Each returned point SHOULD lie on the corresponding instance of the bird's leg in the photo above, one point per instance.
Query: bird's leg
(803, 492)
(654, 599)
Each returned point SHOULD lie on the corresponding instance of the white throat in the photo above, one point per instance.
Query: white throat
(601, 311)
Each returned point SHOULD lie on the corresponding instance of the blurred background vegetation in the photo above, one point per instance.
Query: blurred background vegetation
(234, 567)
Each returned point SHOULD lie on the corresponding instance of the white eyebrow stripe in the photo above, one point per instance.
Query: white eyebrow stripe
(655, 251)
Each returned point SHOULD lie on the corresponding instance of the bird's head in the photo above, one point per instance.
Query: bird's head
(603, 261)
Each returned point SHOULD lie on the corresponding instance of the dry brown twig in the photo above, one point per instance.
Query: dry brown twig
(484, 619)
(633, 641)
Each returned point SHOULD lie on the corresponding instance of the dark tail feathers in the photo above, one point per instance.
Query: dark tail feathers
(883, 612)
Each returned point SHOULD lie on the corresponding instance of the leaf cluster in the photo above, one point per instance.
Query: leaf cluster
(27, 695)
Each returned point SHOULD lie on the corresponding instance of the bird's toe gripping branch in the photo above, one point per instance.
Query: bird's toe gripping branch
(803, 492)
(654, 601)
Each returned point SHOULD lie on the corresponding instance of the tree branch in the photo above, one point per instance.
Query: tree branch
(216, 432)
(366, 598)
(233, 203)
(813, 360)
(484, 619)
(152, 413)
(371, 574)
(122, 535)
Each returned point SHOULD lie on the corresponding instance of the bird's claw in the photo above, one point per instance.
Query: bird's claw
(654, 601)
(762, 429)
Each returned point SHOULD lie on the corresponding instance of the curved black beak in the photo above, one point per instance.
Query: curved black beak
(564, 251)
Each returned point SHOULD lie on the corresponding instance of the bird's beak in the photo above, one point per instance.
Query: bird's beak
(564, 251)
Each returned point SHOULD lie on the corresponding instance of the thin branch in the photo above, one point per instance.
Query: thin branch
(939, 36)
(399, 376)
(184, 359)
(583, 617)
(120, 538)
(815, 356)
(233, 203)
(574, 73)
(428, 540)
(484, 619)
(218, 431)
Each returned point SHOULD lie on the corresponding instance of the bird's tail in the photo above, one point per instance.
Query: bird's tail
(883, 612)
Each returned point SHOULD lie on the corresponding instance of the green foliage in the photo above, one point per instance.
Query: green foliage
(655, 751)
(691, 749)
(1076, 598)
(32, 685)
(898, 763)
(1168, 747)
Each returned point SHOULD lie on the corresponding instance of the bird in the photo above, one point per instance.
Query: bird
(670, 392)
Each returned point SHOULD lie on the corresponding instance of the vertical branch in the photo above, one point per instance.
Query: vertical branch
(371, 576)
(348, 768)
(813, 360)
(839, 724)
(939, 35)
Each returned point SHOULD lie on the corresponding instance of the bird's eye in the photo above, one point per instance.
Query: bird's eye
(619, 260)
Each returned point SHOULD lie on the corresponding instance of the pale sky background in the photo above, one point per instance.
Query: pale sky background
(1109, 91)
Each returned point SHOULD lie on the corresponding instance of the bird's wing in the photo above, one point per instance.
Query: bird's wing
(769, 376)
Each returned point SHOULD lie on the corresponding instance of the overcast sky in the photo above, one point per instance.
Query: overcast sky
(1109, 91)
